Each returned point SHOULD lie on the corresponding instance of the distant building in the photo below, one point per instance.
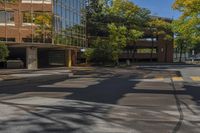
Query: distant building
(43, 33)
(150, 48)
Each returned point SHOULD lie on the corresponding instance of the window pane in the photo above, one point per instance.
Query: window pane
(27, 17)
(2, 16)
(10, 17)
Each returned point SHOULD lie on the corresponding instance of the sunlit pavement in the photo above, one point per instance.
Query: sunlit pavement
(106, 100)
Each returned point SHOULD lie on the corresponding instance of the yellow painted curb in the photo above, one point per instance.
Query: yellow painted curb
(195, 78)
(177, 78)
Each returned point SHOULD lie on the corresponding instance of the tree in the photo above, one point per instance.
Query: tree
(152, 27)
(88, 54)
(117, 40)
(188, 25)
(160, 27)
(102, 53)
(181, 44)
(187, 7)
(117, 21)
(4, 53)
(164, 29)
(133, 36)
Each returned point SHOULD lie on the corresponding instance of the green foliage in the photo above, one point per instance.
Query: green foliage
(4, 53)
(88, 54)
(122, 8)
(117, 36)
(187, 7)
(103, 52)
(100, 13)
(117, 40)
(162, 27)
(118, 22)
(134, 35)
(188, 25)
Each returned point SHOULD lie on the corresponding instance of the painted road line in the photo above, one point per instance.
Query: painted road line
(195, 78)
(148, 80)
(177, 78)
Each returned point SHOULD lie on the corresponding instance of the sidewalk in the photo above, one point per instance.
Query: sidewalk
(20, 76)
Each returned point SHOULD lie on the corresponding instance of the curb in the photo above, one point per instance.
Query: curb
(32, 80)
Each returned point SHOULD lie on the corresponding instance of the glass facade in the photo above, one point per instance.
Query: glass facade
(69, 22)
(43, 21)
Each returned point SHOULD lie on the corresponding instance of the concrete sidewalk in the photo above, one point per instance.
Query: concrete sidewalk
(20, 76)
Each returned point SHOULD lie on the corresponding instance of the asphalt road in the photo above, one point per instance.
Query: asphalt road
(143, 99)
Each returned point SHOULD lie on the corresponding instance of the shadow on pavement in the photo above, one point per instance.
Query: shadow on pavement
(84, 110)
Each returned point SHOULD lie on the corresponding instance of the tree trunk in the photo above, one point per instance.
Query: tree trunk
(166, 51)
(181, 51)
(152, 45)
(176, 53)
(134, 48)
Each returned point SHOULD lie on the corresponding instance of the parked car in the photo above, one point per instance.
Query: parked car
(15, 64)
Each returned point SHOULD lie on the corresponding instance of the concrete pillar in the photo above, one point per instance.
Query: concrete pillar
(74, 58)
(68, 58)
(31, 58)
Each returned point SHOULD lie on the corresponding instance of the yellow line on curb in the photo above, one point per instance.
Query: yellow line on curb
(177, 78)
(195, 78)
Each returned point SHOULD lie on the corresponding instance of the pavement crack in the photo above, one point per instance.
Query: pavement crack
(178, 104)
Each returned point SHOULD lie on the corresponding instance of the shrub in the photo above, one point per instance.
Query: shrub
(4, 53)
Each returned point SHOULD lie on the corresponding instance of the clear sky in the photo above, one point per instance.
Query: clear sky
(159, 7)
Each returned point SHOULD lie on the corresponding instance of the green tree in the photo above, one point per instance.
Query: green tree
(164, 29)
(117, 40)
(188, 25)
(159, 27)
(152, 27)
(117, 21)
(88, 54)
(133, 36)
(102, 53)
(4, 53)
(181, 44)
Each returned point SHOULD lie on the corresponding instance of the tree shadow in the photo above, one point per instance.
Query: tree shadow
(85, 107)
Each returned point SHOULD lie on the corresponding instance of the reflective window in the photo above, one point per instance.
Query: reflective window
(27, 18)
(6, 17)
(146, 50)
(69, 24)
(64, 24)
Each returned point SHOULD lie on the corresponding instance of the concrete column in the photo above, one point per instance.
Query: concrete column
(68, 58)
(31, 58)
(74, 57)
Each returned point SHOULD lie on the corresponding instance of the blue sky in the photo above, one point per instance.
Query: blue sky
(159, 7)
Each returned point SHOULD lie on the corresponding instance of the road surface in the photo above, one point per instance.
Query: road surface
(143, 99)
